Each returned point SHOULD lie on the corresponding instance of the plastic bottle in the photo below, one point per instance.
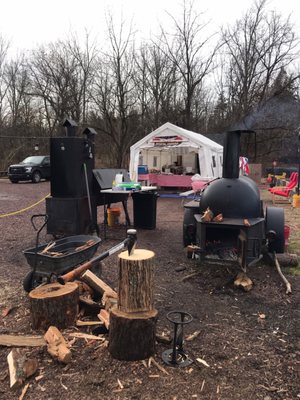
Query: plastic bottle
(119, 178)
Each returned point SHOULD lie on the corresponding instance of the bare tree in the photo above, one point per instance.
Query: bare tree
(86, 59)
(190, 49)
(4, 45)
(257, 47)
(114, 93)
(155, 80)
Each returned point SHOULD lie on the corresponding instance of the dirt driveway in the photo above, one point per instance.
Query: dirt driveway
(250, 341)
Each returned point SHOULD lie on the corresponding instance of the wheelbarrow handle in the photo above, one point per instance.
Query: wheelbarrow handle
(34, 217)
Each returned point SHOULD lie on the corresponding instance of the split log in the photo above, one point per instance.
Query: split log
(88, 323)
(21, 341)
(132, 336)
(57, 345)
(97, 284)
(135, 292)
(243, 281)
(54, 304)
(104, 317)
(109, 302)
(89, 306)
(20, 367)
(287, 259)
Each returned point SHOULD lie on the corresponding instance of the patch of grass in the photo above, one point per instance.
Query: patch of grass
(294, 247)
(293, 271)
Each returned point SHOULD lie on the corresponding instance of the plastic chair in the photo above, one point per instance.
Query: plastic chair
(284, 191)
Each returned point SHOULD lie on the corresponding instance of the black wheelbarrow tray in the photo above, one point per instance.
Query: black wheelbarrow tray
(45, 265)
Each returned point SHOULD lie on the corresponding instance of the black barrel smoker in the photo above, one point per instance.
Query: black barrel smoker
(71, 207)
(245, 223)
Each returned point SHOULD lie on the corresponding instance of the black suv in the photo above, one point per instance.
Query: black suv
(33, 168)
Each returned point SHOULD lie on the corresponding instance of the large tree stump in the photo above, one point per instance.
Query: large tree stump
(54, 304)
(132, 336)
(133, 321)
(135, 292)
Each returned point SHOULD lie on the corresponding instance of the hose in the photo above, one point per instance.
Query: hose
(24, 209)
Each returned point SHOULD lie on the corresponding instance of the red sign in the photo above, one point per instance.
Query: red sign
(167, 140)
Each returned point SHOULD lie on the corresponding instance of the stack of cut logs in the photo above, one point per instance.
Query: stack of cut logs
(133, 321)
(129, 315)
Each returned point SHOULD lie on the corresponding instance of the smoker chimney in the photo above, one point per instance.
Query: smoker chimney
(90, 133)
(231, 154)
(71, 127)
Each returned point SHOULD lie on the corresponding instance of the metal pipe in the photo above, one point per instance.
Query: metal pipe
(299, 164)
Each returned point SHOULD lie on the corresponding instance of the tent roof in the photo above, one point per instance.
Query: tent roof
(170, 135)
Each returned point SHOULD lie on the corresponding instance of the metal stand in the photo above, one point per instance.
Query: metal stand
(176, 357)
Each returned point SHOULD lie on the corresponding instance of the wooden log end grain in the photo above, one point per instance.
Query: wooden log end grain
(132, 336)
(54, 304)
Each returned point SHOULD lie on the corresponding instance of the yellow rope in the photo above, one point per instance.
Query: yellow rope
(24, 209)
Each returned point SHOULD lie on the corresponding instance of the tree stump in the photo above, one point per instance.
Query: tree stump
(133, 321)
(135, 292)
(54, 304)
(132, 336)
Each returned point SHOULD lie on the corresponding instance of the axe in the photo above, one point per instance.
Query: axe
(129, 242)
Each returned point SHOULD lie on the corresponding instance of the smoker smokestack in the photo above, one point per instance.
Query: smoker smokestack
(71, 127)
(231, 154)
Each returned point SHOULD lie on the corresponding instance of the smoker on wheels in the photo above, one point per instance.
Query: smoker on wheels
(230, 221)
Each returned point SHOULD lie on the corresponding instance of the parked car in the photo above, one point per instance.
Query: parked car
(33, 168)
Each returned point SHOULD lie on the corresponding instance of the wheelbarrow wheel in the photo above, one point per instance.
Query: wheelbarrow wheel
(29, 282)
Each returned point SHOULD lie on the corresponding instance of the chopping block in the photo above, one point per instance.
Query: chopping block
(133, 321)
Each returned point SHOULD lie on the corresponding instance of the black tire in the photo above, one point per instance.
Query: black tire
(14, 180)
(189, 227)
(28, 282)
(36, 177)
(275, 222)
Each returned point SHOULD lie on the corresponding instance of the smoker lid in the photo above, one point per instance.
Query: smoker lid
(105, 176)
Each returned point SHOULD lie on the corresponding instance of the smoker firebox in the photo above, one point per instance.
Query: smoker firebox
(231, 237)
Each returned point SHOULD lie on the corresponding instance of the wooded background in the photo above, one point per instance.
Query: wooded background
(245, 76)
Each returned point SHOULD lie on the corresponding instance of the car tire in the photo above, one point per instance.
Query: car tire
(36, 177)
(14, 180)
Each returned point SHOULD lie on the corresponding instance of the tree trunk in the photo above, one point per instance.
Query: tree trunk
(54, 304)
(132, 336)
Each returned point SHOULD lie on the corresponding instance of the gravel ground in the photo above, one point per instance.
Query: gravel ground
(250, 341)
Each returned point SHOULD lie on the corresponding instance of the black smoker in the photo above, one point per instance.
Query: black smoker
(237, 198)
(72, 207)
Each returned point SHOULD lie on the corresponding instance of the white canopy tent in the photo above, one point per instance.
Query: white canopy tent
(170, 138)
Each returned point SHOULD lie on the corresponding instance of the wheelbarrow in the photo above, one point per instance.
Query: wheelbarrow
(57, 261)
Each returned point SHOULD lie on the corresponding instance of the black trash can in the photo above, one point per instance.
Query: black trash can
(144, 209)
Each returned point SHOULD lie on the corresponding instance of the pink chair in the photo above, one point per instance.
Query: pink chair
(284, 191)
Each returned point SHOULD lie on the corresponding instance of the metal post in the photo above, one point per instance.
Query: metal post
(299, 163)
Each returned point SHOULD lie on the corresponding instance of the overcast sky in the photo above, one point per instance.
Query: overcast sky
(27, 23)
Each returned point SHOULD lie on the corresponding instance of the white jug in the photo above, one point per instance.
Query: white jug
(119, 178)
